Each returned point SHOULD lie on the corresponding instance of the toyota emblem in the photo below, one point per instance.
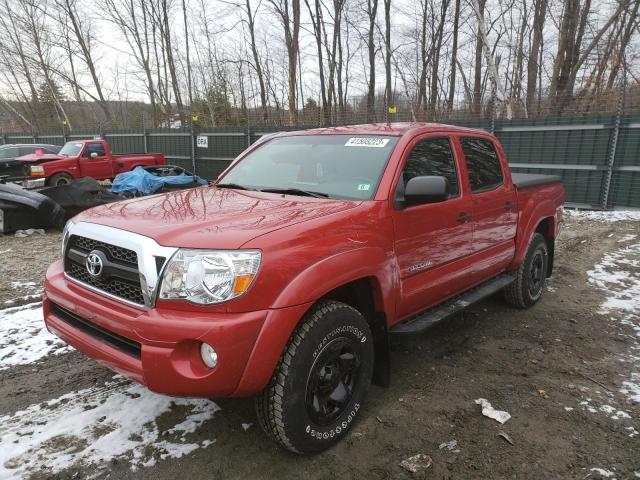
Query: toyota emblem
(94, 264)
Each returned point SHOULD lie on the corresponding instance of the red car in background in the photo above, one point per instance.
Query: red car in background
(82, 158)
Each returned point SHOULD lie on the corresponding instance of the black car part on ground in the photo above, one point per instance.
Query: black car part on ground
(79, 195)
(53, 206)
(22, 209)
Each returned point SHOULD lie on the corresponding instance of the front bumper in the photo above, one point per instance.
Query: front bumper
(31, 183)
(168, 360)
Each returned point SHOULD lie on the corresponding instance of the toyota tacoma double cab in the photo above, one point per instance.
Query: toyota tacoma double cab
(79, 159)
(285, 278)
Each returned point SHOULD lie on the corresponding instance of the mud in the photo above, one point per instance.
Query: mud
(537, 364)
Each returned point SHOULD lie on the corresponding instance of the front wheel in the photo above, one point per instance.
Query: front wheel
(531, 276)
(321, 381)
(60, 179)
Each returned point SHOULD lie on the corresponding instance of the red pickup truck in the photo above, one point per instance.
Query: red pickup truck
(82, 158)
(285, 279)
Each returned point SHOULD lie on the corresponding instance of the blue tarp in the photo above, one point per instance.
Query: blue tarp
(139, 181)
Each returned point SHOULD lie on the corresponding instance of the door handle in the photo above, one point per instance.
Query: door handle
(464, 217)
(509, 206)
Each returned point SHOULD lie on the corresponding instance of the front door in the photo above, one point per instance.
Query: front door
(98, 167)
(431, 240)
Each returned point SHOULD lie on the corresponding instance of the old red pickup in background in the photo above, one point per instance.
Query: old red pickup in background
(82, 158)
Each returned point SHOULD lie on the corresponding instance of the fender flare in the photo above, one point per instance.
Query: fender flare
(299, 295)
(56, 171)
(332, 272)
(536, 216)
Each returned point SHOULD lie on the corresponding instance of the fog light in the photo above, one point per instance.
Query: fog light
(209, 355)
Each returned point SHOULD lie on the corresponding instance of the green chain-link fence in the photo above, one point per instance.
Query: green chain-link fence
(598, 157)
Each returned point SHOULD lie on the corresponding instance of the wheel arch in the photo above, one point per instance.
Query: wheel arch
(546, 224)
(547, 229)
(358, 278)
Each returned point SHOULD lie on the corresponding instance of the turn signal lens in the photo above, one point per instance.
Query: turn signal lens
(242, 284)
(37, 170)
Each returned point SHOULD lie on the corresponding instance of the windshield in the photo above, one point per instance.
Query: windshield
(337, 166)
(71, 149)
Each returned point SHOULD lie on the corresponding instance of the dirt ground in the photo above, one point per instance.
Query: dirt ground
(559, 369)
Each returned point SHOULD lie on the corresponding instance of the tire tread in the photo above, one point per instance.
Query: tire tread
(269, 402)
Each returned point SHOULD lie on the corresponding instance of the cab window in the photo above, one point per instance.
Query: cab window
(95, 148)
(483, 164)
(432, 157)
(10, 152)
(27, 150)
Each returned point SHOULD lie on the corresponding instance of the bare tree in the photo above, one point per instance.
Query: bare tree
(288, 12)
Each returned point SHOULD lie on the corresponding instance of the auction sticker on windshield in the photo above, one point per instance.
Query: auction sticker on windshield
(374, 142)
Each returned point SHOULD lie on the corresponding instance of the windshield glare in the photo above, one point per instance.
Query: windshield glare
(340, 166)
(71, 149)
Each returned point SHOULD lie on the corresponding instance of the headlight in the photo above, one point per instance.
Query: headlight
(37, 170)
(209, 276)
(65, 236)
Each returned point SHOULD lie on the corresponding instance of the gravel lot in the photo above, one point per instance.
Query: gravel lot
(568, 372)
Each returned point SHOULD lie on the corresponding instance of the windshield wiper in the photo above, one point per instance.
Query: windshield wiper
(296, 191)
(234, 186)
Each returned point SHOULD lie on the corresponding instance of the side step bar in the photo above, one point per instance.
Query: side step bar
(424, 320)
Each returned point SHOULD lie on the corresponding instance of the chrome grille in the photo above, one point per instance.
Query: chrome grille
(128, 289)
(116, 253)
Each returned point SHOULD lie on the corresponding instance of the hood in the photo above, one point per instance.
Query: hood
(35, 158)
(209, 217)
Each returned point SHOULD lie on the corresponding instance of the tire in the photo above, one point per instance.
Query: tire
(531, 276)
(330, 354)
(60, 179)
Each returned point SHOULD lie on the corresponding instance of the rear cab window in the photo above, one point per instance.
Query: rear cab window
(483, 164)
(337, 166)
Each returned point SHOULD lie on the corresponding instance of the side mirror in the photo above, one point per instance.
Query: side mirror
(93, 155)
(425, 190)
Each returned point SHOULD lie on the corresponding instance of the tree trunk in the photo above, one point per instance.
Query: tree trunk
(387, 56)
(477, 79)
(454, 57)
(540, 12)
(372, 10)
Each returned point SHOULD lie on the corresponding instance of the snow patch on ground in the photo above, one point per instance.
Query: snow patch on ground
(16, 285)
(604, 216)
(618, 275)
(602, 472)
(91, 427)
(627, 238)
(24, 338)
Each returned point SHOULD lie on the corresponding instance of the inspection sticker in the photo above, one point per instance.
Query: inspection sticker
(364, 187)
(374, 142)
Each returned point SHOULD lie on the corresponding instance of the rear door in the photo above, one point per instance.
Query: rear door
(99, 167)
(431, 240)
(494, 212)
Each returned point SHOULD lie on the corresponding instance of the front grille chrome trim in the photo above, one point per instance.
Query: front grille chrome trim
(146, 249)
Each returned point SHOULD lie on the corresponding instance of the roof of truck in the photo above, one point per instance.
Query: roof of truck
(393, 129)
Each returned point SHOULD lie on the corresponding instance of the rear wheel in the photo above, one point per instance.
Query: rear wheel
(321, 380)
(531, 276)
(60, 179)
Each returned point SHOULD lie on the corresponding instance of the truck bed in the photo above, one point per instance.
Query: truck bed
(528, 180)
